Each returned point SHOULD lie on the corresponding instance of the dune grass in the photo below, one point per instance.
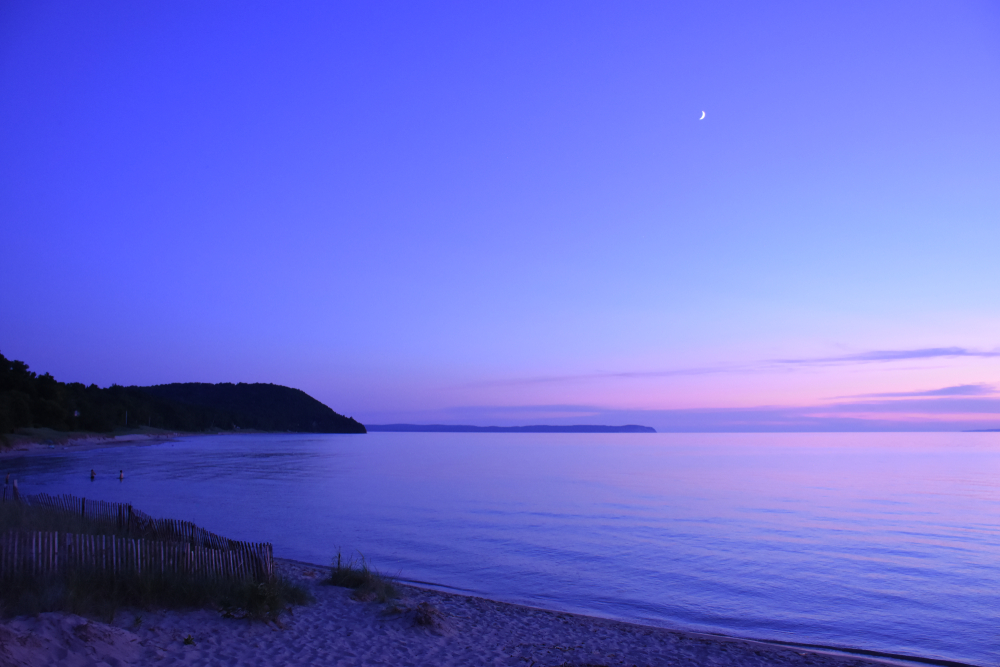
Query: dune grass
(21, 517)
(369, 584)
(102, 595)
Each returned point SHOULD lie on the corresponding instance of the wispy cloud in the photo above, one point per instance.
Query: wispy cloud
(670, 372)
(891, 355)
(957, 390)
(940, 405)
(875, 356)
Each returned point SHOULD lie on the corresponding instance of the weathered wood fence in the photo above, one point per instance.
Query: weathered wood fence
(46, 553)
(142, 545)
(124, 517)
(10, 492)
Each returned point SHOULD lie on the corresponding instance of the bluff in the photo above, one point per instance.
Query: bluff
(265, 407)
(29, 400)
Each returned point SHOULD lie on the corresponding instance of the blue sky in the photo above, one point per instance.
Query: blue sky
(511, 212)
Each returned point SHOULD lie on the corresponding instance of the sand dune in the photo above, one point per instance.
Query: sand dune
(424, 628)
(66, 640)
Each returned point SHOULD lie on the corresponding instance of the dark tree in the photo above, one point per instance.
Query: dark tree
(30, 400)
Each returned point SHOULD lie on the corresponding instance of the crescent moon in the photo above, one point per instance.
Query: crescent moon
(702, 116)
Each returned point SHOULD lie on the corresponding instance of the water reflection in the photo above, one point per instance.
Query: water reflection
(887, 541)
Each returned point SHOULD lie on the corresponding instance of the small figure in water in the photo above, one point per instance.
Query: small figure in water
(121, 475)
(7, 481)
(92, 475)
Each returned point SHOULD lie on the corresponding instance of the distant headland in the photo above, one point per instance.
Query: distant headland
(29, 400)
(448, 428)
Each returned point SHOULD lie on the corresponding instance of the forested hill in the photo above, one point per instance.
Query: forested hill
(29, 400)
(267, 407)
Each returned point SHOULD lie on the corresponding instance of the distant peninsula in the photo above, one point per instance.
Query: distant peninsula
(448, 428)
(264, 407)
(29, 400)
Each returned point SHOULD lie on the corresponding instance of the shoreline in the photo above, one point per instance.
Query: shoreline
(82, 443)
(673, 646)
(423, 627)
(877, 657)
(78, 441)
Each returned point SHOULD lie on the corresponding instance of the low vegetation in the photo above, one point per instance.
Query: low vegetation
(31, 401)
(369, 584)
(102, 595)
(21, 517)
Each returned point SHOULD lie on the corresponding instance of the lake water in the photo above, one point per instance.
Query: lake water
(887, 542)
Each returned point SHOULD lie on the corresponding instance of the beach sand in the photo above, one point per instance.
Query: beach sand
(426, 628)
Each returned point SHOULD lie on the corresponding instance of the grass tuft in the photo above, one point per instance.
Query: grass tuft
(427, 615)
(264, 601)
(369, 584)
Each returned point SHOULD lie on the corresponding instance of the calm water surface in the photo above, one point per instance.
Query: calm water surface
(889, 542)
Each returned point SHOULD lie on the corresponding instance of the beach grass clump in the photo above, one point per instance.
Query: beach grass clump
(100, 595)
(264, 601)
(368, 583)
(28, 518)
(427, 615)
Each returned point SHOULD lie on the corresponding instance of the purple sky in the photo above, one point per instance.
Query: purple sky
(510, 212)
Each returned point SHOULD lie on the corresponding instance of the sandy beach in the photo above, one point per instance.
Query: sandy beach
(423, 627)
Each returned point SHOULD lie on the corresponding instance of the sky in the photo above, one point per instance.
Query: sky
(512, 212)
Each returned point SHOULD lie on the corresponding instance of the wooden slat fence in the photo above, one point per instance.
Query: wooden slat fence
(151, 545)
(122, 516)
(9, 493)
(50, 553)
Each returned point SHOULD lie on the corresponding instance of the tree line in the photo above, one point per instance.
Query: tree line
(29, 400)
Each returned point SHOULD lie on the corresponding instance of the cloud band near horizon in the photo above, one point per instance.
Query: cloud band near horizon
(874, 356)
(959, 408)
